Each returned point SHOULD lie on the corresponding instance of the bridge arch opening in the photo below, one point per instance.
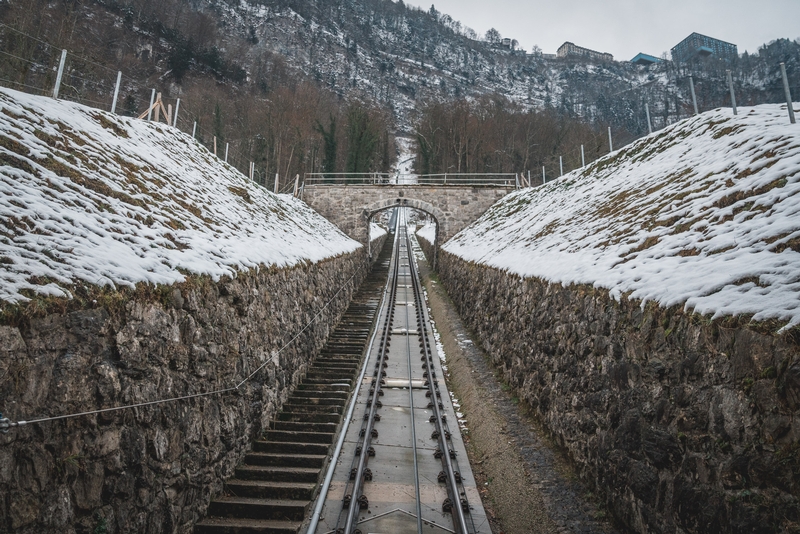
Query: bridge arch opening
(438, 216)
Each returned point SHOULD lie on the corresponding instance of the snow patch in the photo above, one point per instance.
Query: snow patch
(704, 214)
(87, 196)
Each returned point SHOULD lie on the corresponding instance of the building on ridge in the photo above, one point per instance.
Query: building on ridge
(698, 45)
(569, 49)
(645, 59)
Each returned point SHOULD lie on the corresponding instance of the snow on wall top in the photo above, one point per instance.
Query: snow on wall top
(704, 214)
(92, 197)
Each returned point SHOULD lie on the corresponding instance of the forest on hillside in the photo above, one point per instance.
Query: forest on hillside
(300, 86)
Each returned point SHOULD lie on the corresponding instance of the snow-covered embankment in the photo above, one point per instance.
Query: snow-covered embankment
(137, 267)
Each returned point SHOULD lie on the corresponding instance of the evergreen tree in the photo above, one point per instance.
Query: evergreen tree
(330, 144)
(362, 140)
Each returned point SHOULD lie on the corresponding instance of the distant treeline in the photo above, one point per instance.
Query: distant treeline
(493, 135)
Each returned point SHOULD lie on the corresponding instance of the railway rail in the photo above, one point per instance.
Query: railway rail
(371, 422)
(400, 467)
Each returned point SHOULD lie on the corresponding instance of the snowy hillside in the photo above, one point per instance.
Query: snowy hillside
(704, 214)
(88, 196)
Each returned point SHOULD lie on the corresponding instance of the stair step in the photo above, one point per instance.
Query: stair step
(244, 507)
(324, 387)
(312, 408)
(330, 374)
(298, 426)
(277, 474)
(288, 447)
(316, 401)
(285, 460)
(327, 381)
(308, 393)
(260, 489)
(235, 525)
(298, 437)
(310, 417)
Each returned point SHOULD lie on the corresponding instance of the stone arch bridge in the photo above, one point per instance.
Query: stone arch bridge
(453, 206)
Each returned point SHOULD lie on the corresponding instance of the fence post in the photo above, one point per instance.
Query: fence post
(296, 184)
(561, 165)
(157, 118)
(544, 177)
(194, 129)
(152, 101)
(251, 171)
(276, 181)
(530, 184)
(516, 179)
(733, 95)
(169, 114)
(60, 73)
(786, 90)
(175, 119)
(226, 151)
(649, 124)
(215, 145)
(116, 92)
(610, 142)
(583, 159)
(694, 97)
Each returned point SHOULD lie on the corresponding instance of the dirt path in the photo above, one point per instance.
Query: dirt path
(526, 487)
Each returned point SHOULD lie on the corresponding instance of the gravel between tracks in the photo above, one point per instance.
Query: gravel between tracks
(526, 487)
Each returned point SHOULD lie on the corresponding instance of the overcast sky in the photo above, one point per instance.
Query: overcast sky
(626, 27)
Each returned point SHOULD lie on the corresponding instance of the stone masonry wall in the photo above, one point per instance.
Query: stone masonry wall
(154, 469)
(349, 207)
(682, 424)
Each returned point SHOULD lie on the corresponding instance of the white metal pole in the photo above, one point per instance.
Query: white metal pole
(694, 97)
(733, 95)
(561, 165)
(529, 179)
(175, 119)
(116, 92)
(789, 104)
(544, 177)
(152, 101)
(227, 145)
(610, 142)
(60, 73)
(583, 158)
(276, 182)
(194, 129)
(647, 112)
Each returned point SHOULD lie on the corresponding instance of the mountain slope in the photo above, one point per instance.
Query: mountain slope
(89, 197)
(704, 214)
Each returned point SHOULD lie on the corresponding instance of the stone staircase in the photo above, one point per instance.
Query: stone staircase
(273, 489)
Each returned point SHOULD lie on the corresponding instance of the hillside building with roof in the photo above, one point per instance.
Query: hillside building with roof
(700, 46)
(645, 59)
(569, 49)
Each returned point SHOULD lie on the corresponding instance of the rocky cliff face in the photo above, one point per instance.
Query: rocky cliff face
(683, 424)
(155, 468)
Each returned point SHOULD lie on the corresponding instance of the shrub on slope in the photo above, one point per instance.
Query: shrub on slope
(704, 214)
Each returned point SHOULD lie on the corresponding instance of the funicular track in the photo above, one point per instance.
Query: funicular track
(374, 409)
(272, 490)
(399, 468)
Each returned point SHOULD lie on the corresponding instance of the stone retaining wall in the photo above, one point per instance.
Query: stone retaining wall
(682, 424)
(154, 469)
